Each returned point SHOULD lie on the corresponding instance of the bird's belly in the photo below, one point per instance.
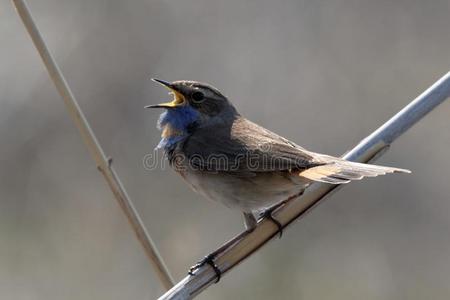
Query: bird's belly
(245, 193)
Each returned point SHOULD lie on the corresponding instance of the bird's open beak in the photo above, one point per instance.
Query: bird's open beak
(178, 98)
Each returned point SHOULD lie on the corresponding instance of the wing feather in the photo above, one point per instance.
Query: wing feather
(339, 171)
(244, 147)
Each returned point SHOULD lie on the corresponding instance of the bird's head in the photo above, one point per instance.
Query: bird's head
(193, 104)
(202, 97)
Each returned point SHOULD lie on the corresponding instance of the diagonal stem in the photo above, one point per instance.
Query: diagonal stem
(368, 149)
(103, 163)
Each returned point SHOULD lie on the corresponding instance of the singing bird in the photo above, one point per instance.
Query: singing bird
(228, 158)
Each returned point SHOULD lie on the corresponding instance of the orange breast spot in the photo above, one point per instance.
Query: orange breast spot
(169, 131)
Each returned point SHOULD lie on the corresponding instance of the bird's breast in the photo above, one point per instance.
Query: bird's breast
(174, 124)
(169, 131)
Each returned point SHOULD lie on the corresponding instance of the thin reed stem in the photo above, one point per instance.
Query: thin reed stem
(102, 161)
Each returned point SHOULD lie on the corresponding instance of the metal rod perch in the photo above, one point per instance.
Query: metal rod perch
(368, 149)
(103, 163)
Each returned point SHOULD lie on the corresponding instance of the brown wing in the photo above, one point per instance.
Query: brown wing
(244, 147)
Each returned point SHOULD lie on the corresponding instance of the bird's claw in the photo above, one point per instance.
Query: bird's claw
(268, 215)
(207, 260)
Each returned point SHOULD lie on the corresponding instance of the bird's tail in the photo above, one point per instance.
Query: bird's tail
(339, 171)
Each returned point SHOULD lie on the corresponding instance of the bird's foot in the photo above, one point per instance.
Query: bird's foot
(207, 260)
(268, 215)
(268, 212)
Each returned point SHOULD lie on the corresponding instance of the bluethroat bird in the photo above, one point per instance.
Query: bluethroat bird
(227, 158)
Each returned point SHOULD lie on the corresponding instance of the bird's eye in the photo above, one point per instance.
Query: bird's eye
(198, 97)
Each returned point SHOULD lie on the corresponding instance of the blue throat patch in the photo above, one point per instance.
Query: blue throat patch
(178, 119)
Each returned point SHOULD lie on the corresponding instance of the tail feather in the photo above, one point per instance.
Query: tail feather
(340, 171)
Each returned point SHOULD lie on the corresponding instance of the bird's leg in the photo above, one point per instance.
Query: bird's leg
(268, 212)
(250, 223)
(268, 215)
(209, 260)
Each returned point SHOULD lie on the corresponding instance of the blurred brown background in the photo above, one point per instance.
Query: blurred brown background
(322, 73)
